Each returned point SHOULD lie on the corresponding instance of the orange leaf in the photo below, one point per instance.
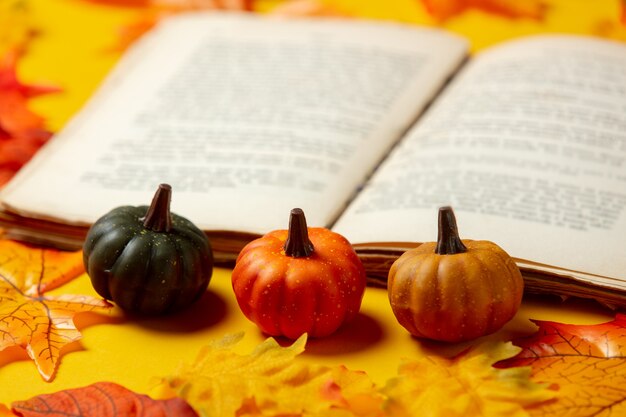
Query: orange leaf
(155, 10)
(15, 118)
(16, 27)
(586, 362)
(102, 399)
(512, 9)
(22, 132)
(296, 8)
(39, 323)
(181, 5)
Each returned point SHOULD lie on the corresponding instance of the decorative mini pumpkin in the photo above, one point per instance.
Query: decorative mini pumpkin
(148, 260)
(301, 280)
(453, 290)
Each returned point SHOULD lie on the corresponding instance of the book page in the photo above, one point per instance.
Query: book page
(246, 117)
(528, 145)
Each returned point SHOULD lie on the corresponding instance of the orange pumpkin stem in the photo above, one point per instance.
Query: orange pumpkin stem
(298, 244)
(158, 217)
(448, 240)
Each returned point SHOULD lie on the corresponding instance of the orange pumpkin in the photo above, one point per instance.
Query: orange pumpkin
(454, 290)
(301, 280)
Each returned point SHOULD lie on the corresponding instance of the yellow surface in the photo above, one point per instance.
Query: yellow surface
(71, 50)
(134, 351)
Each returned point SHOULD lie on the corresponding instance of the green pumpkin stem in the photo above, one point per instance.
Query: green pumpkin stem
(158, 218)
(298, 244)
(448, 240)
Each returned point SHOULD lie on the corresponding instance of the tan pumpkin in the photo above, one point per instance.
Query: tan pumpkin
(454, 290)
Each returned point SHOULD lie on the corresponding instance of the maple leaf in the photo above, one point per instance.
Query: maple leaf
(102, 399)
(307, 8)
(586, 362)
(41, 324)
(267, 381)
(466, 385)
(180, 5)
(15, 26)
(271, 382)
(5, 412)
(22, 132)
(512, 9)
(155, 10)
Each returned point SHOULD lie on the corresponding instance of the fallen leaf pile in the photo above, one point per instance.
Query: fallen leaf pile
(587, 363)
(271, 382)
(266, 382)
(40, 323)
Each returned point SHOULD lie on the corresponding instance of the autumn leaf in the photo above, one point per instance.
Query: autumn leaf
(271, 381)
(180, 5)
(512, 9)
(16, 120)
(155, 10)
(22, 132)
(466, 385)
(16, 28)
(586, 362)
(5, 412)
(42, 324)
(267, 382)
(102, 399)
(307, 8)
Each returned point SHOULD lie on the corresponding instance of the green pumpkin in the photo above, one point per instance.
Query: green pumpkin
(146, 259)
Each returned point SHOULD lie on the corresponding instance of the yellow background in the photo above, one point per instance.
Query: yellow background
(73, 50)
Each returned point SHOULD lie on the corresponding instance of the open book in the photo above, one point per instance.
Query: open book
(368, 127)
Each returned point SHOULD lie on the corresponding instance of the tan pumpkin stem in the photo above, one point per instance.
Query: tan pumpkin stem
(298, 244)
(448, 240)
(158, 217)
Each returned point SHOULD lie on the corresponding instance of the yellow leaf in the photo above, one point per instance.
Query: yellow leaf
(267, 382)
(15, 25)
(40, 323)
(465, 386)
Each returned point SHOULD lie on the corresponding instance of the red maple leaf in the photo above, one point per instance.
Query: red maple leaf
(511, 9)
(586, 362)
(102, 399)
(22, 132)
